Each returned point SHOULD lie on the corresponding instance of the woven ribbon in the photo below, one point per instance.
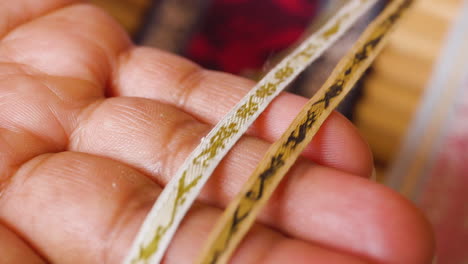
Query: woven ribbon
(242, 212)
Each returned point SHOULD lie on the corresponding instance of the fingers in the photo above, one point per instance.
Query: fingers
(76, 47)
(86, 209)
(13, 250)
(12, 14)
(155, 139)
(210, 95)
(87, 51)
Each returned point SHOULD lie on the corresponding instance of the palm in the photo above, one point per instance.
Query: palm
(91, 127)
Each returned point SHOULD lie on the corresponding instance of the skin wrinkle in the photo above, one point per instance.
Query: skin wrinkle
(40, 78)
(145, 118)
(217, 89)
(23, 239)
(187, 83)
(17, 69)
(15, 57)
(83, 118)
(127, 214)
(174, 147)
(54, 114)
(10, 169)
(50, 9)
(131, 114)
(93, 92)
(29, 81)
(110, 61)
(75, 165)
(120, 227)
(26, 69)
(112, 81)
(7, 169)
(6, 190)
(105, 75)
(14, 167)
(183, 86)
(122, 59)
(111, 58)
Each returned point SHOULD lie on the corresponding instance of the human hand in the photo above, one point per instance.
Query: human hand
(92, 127)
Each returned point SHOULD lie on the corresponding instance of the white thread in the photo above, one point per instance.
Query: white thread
(162, 214)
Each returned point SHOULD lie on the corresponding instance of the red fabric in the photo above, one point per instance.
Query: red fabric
(242, 34)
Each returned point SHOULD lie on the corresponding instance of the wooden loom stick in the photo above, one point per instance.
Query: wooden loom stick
(241, 213)
(162, 221)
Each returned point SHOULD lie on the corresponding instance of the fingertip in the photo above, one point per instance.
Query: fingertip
(413, 238)
(338, 144)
